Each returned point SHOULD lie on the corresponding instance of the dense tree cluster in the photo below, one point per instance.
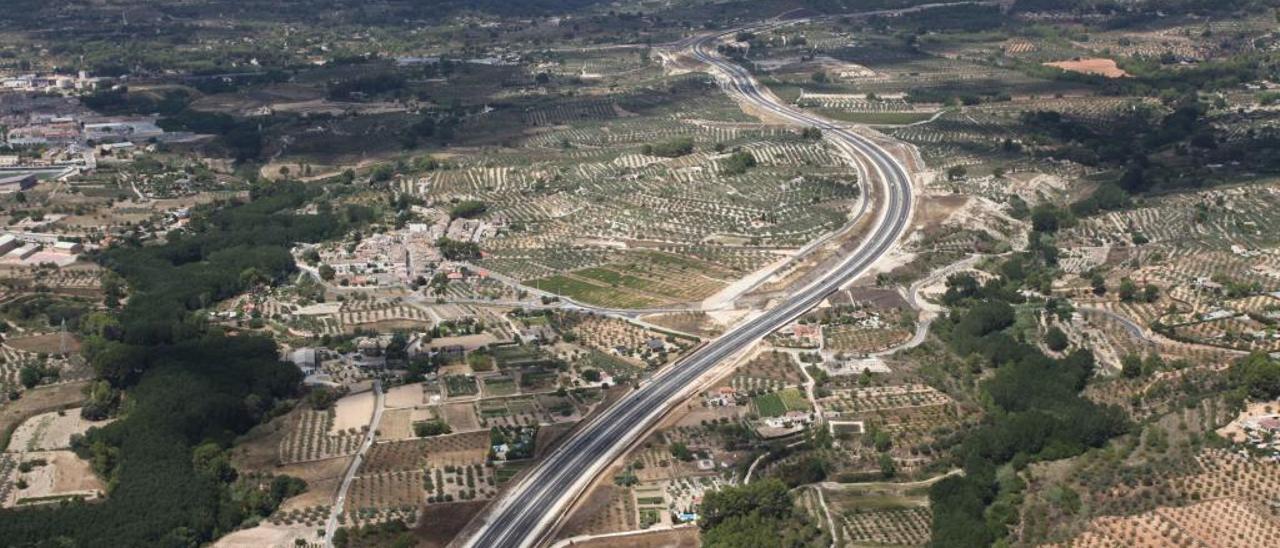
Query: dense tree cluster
(673, 148)
(204, 390)
(753, 515)
(227, 251)
(1257, 376)
(455, 250)
(190, 389)
(1034, 409)
(1152, 150)
(467, 209)
(737, 163)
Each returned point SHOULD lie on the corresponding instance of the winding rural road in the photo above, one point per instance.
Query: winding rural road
(529, 511)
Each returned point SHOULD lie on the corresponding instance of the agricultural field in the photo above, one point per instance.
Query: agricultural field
(515, 357)
(618, 369)
(312, 437)
(776, 404)
(856, 401)
(916, 420)
(512, 411)
(875, 515)
(1209, 262)
(770, 371)
(858, 340)
(399, 477)
(1216, 494)
(500, 385)
(458, 386)
(1163, 483)
(591, 216)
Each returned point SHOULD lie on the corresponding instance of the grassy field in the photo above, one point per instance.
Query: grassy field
(518, 356)
(615, 367)
(776, 404)
(591, 293)
(643, 279)
(769, 405)
(507, 471)
(500, 386)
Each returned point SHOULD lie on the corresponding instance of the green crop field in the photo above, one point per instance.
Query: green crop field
(587, 292)
(776, 404)
(500, 386)
(794, 399)
(769, 405)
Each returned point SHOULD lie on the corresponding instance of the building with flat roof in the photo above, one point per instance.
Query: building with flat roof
(68, 248)
(8, 243)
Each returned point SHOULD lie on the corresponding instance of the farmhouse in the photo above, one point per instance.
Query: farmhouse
(725, 396)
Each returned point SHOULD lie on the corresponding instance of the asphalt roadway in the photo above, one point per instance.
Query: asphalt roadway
(530, 509)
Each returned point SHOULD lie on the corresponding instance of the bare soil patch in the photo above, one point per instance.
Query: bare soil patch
(259, 449)
(49, 343)
(685, 537)
(353, 411)
(1100, 66)
(407, 395)
(322, 479)
(49, 431)
(396, 424)
(39, 400)
(549, 436)
(62, 474)
(266, 535)
(461, 417)
(606, 509)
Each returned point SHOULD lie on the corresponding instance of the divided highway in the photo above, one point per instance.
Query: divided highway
(531, 508)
